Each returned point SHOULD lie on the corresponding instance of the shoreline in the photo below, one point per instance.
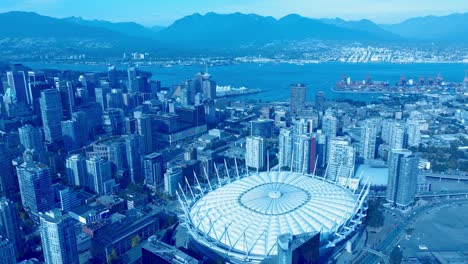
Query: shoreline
(172, 63)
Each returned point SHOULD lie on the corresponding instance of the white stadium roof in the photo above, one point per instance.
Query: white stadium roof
(246, 216)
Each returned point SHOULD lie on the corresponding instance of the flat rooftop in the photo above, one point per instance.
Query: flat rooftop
(168, 252)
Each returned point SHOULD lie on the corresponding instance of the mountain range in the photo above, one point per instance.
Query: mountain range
(230, 30)
(451, 28)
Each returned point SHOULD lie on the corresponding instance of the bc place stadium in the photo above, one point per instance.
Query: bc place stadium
(244, 219)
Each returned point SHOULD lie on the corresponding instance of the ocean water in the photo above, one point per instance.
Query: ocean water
(275, 79)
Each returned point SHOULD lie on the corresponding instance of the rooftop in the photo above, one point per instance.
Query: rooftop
(167, 252)
(261, 207)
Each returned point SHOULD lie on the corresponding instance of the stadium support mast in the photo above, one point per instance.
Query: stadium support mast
(207, 178)
(217, 174)
(198, 183)
(237, 168)
(227, 171)
(190, 188)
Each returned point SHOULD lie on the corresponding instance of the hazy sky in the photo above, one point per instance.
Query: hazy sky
(164, 12)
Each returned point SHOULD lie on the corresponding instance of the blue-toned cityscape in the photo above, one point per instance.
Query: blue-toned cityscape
(257, 137)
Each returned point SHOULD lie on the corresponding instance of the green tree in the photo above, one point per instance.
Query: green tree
(136, 240)
(113, 257)
(396, 256)
(375, 217)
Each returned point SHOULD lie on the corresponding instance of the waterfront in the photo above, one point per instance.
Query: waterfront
(274, 79)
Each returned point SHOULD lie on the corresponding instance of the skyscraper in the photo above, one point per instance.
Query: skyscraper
(67, 95)
(70, 134)
(132, 79)
(134, 150)
(185, 97)
(368, 141)
(414, 132)
(115, 99)
(8, 183)
(321, 151)
(75, 131)
(301, 153)
(153, 167)
(69, 198)
(172, 178)
(101, 96)
(81, 120)
(298, 96)
(112, 76)
(31, 137)
(208, 86)
(329, 125)
(303, 126)
(17, 82)
(9, 224)
(314, 153)
(386, 129)
(35, 187)
(285, 147)
(143, 84)
(261, 128)
(75, 168)
(51, 111)
(341, 157)
(58, 238)
(210, 112)
(398, 137)
(320, 101)
(402, 177)
(145, 129)
(113, 121)
(7, 251)
(255, 155)
(99, 172)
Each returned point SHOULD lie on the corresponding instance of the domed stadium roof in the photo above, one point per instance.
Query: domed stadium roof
(247, 215)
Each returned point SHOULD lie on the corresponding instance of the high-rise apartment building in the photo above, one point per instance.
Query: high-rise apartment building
(414, 132)
(75, 167)
(329, 126)
(8, 182)
(368, 140)
(285, 147)
(398, 137)
(31, 137)
(99, 172)
(9, 225)
(402, 177)
(301, 153)
(58, 238)
(7, 251)
(341, 157)
(153, 168)
(35, 187)
(172, 178)
(255, 155)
